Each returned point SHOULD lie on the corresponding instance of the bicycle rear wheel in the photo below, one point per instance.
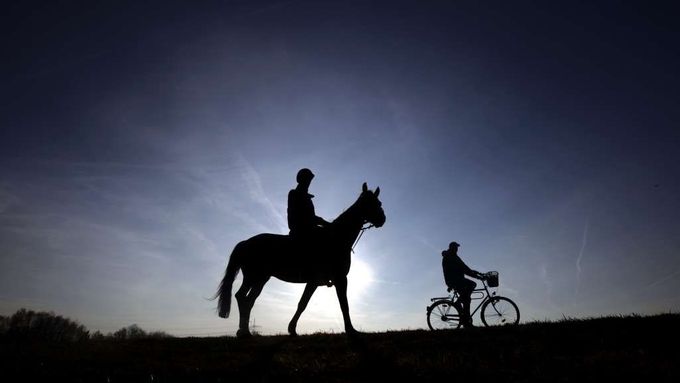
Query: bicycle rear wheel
(443, 315)
(499, 311)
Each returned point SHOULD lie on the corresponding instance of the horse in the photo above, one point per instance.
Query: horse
(326, 260)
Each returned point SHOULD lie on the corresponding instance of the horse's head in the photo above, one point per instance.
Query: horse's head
(371, 207)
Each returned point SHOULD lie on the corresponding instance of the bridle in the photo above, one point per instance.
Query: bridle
(364, 228)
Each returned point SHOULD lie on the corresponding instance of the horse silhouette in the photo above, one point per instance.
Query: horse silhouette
(325, 259)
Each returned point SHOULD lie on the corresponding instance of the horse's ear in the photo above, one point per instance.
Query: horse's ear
(364, 187)
(377, 191)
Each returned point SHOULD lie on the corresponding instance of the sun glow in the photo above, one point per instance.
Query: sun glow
(359, 279)
(324, 304)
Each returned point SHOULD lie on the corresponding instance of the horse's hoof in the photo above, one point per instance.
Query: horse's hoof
(243, 334)
(352, 333)
(291, 331)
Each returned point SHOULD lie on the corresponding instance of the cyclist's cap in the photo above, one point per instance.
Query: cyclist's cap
(454, 243)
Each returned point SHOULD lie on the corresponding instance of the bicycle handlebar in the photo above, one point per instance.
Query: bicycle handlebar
(484, 277)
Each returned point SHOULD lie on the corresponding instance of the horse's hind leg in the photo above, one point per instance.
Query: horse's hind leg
(246, 302)
(302, 305)
(242, 299)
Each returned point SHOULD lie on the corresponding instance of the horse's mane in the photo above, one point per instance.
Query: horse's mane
(347, 212)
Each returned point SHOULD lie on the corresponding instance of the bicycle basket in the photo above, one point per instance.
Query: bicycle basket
(492, 278)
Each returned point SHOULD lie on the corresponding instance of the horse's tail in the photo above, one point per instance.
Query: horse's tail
(224, 290)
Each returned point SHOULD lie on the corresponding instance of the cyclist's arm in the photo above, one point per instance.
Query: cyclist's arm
(474, 274)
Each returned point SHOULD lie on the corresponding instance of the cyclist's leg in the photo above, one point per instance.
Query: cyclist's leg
(466, 288)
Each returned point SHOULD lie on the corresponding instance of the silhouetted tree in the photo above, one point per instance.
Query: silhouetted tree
(29, 324)
(158, 335)
(4, 325)
(135, 332)
(130, 332)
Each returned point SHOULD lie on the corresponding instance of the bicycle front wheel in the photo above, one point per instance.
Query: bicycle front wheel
(499, 311)
(443, 315)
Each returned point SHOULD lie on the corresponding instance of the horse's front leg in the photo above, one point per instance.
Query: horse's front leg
(302, 305)
(341, 290)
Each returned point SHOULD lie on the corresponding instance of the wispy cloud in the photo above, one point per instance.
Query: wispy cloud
(253, 184)
(664, 279)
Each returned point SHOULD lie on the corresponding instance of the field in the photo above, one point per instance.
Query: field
(626, 349)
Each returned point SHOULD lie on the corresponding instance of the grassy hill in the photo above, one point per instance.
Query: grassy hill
(622, 348)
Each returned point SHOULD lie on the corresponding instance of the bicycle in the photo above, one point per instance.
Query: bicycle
(445, 312)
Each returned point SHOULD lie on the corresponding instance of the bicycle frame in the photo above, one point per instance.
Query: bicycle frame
(482, 294)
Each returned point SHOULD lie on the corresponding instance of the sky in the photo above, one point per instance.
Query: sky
(141, 141)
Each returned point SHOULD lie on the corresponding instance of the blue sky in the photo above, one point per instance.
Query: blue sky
(140, 143)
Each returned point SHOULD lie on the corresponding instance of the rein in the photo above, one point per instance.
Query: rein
(370, 225)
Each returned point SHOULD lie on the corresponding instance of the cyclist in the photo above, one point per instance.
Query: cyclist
(455, 271)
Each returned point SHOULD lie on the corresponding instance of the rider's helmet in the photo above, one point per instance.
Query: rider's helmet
(304, 175)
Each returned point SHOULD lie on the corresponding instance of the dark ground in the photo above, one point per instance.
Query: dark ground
(596, 350)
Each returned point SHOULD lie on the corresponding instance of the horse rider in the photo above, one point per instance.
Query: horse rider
(455, 271)
(302, 220)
